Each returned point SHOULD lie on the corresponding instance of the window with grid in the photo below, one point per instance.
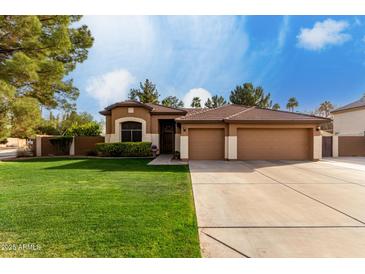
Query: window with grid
(131, 132)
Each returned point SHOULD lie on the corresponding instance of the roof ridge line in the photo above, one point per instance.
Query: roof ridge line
(242, 111)
(292, 112)
(160, 105)
(203, 111)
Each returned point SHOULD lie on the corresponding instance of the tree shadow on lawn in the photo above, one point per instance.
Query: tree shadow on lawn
(103, 165)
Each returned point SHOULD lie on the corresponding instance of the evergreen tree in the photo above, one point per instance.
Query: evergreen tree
(196, 103)
(37, 52)
(147, 93)
(172, 101)
(249, 95)
(216, 101)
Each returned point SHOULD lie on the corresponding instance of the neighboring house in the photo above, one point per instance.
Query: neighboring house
(349, 129)
(349, 120)
(229, 132)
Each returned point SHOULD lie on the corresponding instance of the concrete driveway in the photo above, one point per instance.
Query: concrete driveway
(281, 208)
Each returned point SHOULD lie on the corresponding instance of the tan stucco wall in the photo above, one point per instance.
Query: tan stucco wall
(349, 123)
(150, 123)
(122, 112)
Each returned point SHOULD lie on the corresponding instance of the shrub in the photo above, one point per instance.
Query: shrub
(125, 149)
(88, 129)
(48, 130)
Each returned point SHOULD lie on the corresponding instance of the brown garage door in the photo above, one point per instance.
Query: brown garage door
(206, 144)
(273, 144)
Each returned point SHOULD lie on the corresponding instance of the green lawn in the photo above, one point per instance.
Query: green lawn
(96, 208)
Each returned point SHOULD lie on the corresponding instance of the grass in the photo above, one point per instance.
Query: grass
(96, 208)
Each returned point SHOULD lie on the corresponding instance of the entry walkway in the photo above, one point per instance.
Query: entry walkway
(166, 159)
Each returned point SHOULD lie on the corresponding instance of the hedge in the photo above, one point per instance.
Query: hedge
(88, 129)
(125, 149)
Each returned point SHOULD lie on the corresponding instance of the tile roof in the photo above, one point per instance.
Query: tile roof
(156, 108)
(212, 114)
(238, 113)
(357, 104)
(226, 113)
(153, 108)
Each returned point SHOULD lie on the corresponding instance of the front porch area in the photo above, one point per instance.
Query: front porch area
(166, 159)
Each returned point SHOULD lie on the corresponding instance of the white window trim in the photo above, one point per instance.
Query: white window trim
(118, 122)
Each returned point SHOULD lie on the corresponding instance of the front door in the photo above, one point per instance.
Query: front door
(167, 136)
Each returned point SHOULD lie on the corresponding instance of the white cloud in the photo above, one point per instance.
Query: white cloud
(202, 93)
(110, 87)
(173, 51)
(328, 32)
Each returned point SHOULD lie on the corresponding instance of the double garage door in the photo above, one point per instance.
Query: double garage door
(252, 144)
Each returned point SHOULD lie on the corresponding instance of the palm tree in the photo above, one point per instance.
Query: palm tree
(325, 108)
(292, 103)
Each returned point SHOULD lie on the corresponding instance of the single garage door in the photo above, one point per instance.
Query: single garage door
(273, 144)
(206, 144)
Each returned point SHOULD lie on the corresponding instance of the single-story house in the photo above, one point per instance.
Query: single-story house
(231, 132)
(349, 129)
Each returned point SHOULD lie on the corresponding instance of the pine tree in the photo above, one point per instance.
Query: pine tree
(147, 93)
(216, 101)
(249, 95)
(172, 101)
(196, 103)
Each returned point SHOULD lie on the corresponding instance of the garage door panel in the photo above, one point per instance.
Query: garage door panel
(206, 144)
(273, 144)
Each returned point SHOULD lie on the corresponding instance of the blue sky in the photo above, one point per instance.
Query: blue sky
(313, 58)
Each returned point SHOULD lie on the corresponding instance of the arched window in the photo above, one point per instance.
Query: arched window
(131, 132)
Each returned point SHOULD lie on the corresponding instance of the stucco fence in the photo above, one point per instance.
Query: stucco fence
(80, 146)
(15, 142)
(349, 146)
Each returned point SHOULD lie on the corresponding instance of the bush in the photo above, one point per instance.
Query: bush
(125, 149)
(88, 129)
(48, 130)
